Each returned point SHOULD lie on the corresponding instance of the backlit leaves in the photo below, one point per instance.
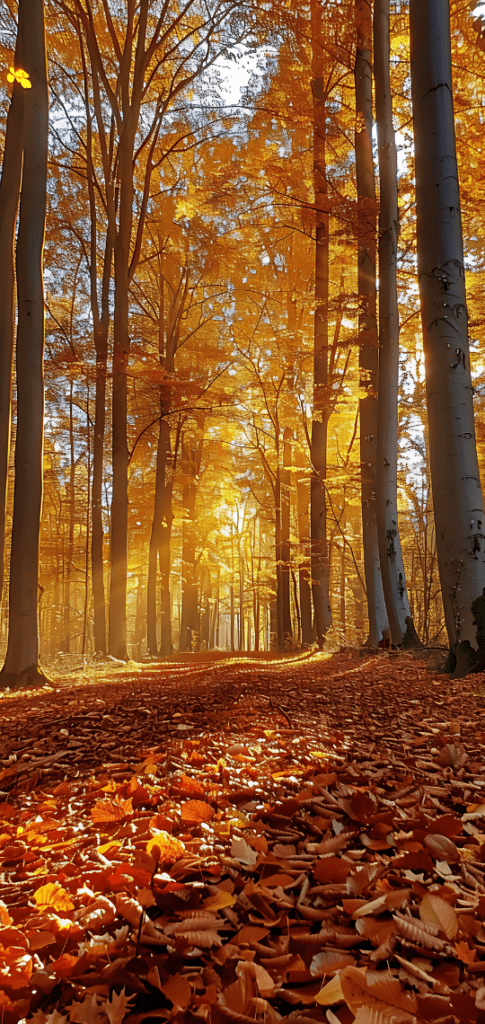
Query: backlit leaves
(53, 897)
(20, 76)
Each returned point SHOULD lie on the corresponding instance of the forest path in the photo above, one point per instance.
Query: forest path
(332, 811)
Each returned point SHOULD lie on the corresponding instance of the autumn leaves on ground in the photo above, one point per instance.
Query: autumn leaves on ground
(289, 840)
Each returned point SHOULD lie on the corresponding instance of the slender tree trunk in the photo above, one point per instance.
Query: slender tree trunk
(119, 503)
(100, 312)
(368, 342)
(99, 607)
(9, 202)
(457, 496)
(241, 596)
(392, 568)
(159, 545)
(319, 552)
(70, 546)
(190, 626)
(280, 628)
(161, 533)
(285, 534)
(21, 663)
(304, 577)
(231, 598)
(88, 524)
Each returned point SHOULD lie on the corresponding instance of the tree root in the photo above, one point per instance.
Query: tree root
(31, 678)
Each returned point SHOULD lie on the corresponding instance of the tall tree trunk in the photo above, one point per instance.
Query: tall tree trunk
(189, 628)
(119, 502)
(280, 629)
(160, 538)
(303, 499)
(161, 525)
(319, 552)
(241, 643)
(285, 533)
(100, 311)
(368, 342)
(99, 607)
(390, 556)
(21, 663)
(9, 202)
(457, 495)
(70, 547)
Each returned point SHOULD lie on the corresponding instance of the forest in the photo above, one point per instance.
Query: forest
(242, 263)
(242, 433)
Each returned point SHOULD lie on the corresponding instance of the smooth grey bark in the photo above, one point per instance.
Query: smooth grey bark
(9, 202)
(190, 620)
(304, 572)
(21, 663)
(100, 312)
(321, 411)
(159, 548)
(368, 341)
(285, 534)
(390, 555)
(457, 496)
(170, 311)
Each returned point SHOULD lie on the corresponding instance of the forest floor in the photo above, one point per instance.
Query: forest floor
(297, 839)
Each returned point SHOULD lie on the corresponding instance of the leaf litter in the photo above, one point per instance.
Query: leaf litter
(290, 841)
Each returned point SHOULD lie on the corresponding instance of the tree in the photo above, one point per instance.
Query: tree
(368, 340)
(390, 556)
(21, 663)
(457, 495)
(318, 515)
(9, 201)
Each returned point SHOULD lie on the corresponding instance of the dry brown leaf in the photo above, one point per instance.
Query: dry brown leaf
(437, 913)
(375, 989)
(194, 812)
(442, 848)
(329, 961)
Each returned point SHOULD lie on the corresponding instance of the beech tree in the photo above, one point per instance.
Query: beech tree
(9, 201)
(457, 496)
(368, 338)
(21, 662)
(389, 543)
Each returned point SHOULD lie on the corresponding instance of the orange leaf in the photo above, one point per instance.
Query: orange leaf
(178, 990)
(169, 848)
(5, 918)
(184, 785)
(15, 967)
(13, 937)
(195, 811)
(64, 965)
(109, 811)
(464, 953)
(53, 897)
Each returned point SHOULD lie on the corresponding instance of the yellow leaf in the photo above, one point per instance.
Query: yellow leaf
(169, 849)
(330, 993)
(53, 897)
(113, 845)
(219, 900)
(17, 75)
